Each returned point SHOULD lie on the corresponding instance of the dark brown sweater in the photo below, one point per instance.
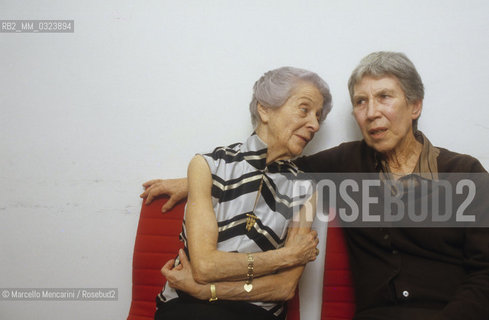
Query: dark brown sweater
(412, 273)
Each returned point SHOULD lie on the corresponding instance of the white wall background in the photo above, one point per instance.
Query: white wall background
(140, 86)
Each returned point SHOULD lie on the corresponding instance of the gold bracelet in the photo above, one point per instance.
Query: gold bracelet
(248, 286)
(213, 293)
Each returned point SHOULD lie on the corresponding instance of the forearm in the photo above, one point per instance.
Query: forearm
(230, 266)
(276, 287)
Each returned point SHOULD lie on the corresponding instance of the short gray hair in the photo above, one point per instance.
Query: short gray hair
(274, 88)
(383, 63)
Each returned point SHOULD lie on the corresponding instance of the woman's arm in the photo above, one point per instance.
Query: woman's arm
(276, 287)
(210, 264)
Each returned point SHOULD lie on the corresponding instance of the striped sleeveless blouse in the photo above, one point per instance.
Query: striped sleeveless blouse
(239, 172)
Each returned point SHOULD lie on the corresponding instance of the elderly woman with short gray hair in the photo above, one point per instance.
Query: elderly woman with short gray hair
(406, 273)
(246, 255)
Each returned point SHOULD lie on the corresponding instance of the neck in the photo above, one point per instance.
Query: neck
(403, 159)
(272, 153)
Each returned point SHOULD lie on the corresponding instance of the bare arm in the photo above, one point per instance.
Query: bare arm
(210, 264)
(280, 286)
(277, 287)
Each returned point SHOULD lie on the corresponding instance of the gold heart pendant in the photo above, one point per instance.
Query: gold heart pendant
(248, 287)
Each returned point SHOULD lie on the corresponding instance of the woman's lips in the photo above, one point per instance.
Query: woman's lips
(306, 140)
(377, 133)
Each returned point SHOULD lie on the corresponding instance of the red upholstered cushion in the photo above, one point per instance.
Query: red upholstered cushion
(338, 299)
(157, 242)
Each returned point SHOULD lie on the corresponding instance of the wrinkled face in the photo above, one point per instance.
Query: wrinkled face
(293, 125)
(383, 113)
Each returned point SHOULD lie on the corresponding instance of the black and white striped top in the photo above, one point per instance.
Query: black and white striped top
(237, 172)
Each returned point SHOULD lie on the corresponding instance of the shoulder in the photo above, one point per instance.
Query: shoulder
(449, 161)
(221, 157)
(223, 152)
(198, 167)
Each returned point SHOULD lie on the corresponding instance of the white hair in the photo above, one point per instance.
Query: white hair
(274, 88)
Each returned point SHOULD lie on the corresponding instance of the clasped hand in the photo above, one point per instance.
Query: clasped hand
(180, 277)
(303, 243)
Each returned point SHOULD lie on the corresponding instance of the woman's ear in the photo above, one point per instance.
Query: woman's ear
(264, 113)
(417, 108)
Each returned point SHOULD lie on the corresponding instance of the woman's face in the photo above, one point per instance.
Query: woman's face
(383, 113)
(291, 126)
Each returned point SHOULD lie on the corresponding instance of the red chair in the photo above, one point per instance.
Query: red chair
(157, 242)
(338, 299)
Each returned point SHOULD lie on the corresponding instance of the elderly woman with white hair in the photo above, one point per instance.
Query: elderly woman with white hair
(246, 255)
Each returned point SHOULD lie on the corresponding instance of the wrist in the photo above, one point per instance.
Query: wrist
(291, 257)
(202, 292)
